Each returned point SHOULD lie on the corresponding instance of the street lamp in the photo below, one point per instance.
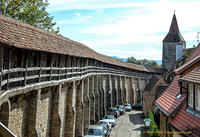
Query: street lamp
(147, 123)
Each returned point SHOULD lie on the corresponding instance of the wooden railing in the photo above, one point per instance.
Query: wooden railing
(16, 77)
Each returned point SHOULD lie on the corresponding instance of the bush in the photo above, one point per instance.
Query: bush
(153, 126)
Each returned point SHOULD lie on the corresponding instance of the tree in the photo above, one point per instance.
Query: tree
(188, 53)
(32, 12)
(143, 62)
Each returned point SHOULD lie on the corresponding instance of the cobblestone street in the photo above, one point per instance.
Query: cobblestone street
(128, 125)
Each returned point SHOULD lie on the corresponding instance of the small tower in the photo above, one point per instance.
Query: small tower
(173, 46)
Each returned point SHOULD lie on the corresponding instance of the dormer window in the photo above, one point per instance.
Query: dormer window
(190, 95)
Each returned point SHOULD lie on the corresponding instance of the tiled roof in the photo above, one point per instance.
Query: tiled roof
(167, 102)
(21, 35)
(188, 64)
(193, 76)
(174, 34)
(151, 83)
(185, 121)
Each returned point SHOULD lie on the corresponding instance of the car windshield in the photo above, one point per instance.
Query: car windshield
(103, 122)
(121, 107)
(109, 117)
(127, 105)
(94, 132)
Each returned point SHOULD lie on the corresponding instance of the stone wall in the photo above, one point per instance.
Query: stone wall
(68, 108)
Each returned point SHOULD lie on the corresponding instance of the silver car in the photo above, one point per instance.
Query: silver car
(128, 107)
(110, 118)
(95, 131)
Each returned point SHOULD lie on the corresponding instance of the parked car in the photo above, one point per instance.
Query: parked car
(95, 131)
(106, 130)
(117, 106)
(110, 118)
(113, 111)
(137, 106)
(106, 121)
(121, 110)
(128, 107)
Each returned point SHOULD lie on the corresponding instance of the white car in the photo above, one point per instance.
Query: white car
(95, 131)
(110, 118)
(106, 121)
(128, 107)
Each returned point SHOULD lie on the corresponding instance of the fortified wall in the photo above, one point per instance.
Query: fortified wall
(54, 86)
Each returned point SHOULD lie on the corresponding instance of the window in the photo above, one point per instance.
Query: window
(197, 98)
(190, 95)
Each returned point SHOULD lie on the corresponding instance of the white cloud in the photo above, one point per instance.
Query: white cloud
(78, 14)
(147, 23)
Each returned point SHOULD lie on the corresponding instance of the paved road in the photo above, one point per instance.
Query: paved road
(128, 124)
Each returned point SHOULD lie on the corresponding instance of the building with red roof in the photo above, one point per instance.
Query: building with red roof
(179, 105)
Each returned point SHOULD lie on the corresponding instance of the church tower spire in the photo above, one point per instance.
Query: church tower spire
(174, 34)
(173, 45)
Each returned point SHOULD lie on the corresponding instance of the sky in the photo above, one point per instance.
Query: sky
(125, 28)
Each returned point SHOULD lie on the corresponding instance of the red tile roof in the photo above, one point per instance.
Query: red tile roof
(168, 101)
(188, 64)
(21, 35)
(193, 76)
(185, 121)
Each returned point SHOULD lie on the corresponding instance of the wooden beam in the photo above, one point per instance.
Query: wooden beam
(51, 57)
(66, 66)
(26, 66)
(40, 65)
(1, 63)
(9, 66)
(59, 65)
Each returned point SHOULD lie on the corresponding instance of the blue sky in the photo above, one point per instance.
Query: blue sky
(125, 28)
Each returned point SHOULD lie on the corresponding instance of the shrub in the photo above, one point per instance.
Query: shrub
(153, 126)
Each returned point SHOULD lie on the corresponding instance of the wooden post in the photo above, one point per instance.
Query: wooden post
(26, 66)
(59, 65)
(1, 63)
(9, 65)
(87, 63)
(66, 66)
(40, 64)
(51, 56)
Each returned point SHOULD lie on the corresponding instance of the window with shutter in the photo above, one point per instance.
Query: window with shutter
(190, 95)
(197, 98)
